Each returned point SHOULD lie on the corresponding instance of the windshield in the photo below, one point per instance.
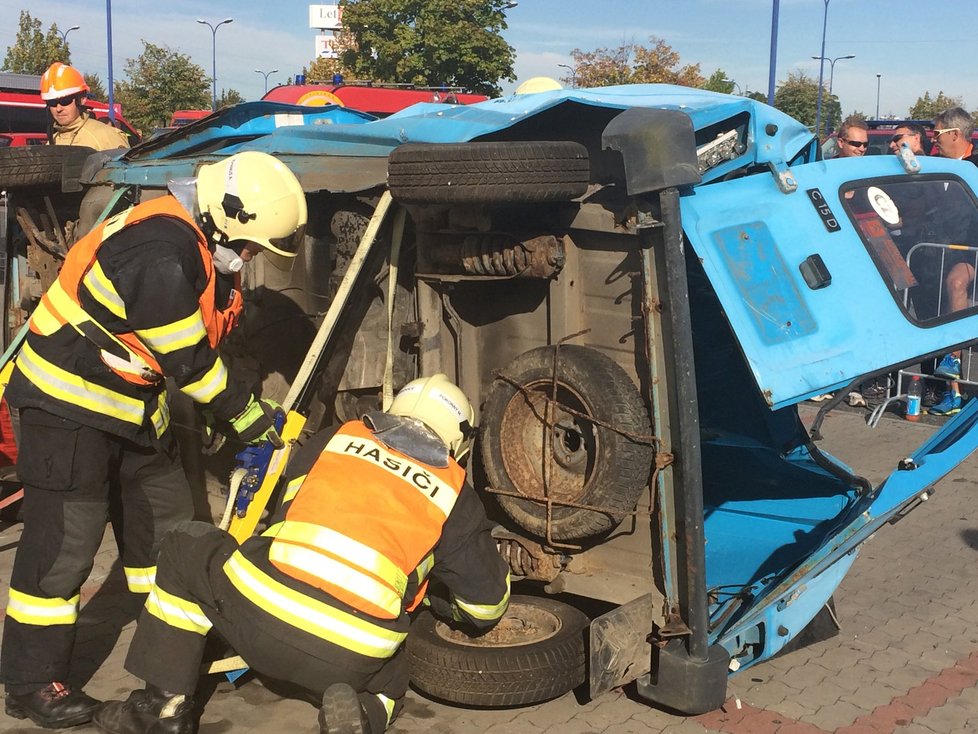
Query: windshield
(923, 236)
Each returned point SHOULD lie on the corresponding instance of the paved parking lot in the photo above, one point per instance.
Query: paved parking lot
(905, 660)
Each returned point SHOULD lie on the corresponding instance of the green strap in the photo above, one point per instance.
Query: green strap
(116, 197)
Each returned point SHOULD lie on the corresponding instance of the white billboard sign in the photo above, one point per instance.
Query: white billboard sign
(326, 17)
(327, 47)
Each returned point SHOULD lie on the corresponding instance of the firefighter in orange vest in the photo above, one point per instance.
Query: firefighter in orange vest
(376, 518)
(145, 296)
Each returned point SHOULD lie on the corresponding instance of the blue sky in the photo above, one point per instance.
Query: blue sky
(899, 39)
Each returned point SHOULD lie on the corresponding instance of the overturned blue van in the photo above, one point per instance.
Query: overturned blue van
(636, 286)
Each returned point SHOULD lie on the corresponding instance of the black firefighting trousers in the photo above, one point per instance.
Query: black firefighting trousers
(190, 569)
(68, 471)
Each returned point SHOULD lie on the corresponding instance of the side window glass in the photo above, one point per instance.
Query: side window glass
(923, 236)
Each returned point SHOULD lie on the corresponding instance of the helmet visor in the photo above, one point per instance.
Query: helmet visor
(288, 246)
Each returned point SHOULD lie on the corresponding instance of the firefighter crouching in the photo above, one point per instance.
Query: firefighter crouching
(137, 300)
(63, 90)
(376, 517)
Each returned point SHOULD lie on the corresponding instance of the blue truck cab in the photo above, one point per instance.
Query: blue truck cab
(636, 286)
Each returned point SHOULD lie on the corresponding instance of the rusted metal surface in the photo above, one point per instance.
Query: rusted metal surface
(493, 255)
(45, 250)
(527, 558)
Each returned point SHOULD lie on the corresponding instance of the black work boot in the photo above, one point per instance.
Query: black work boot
(341, 712)
(149, 711)
(56, 706)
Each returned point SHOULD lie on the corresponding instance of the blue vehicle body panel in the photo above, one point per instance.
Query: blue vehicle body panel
(800, 342)
(302, 134)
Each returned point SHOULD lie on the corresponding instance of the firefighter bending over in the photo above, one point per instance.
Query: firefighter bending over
(137, 300)
(376, 517)
(63, 89)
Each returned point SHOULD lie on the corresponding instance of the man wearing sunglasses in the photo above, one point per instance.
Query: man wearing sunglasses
(912, 134)
(63, 89)
(853, 138)
(952, 136)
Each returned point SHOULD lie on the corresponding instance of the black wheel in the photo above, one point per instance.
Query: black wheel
(586, 463)
(462, 173)
(41, 165)
(535, 653)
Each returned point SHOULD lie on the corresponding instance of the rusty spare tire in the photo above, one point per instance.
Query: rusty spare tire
(25, 166)
(534, 654)
(489, 173)
(598, 447)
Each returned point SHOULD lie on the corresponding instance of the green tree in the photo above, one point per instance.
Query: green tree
(718, 82)
(926, 107)
(632, 63)
(798, 97)
(158, 82)
(457, 43)
(96, 89)
(229, 97)
(34, 51)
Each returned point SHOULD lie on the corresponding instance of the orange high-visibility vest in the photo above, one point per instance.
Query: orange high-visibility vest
(82, 256)
(363, 520)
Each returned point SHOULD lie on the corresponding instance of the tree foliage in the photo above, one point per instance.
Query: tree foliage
(718, 82)
(33, 50)
(158, 82)
(798, 97)
(429, 43)
(926, 107)
(96, 88)
(228, 97)
(632, 63)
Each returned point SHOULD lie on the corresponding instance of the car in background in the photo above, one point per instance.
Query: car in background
(376, 99)
(12, 139)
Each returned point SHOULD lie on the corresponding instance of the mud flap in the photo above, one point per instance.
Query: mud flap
(680, 683)
(620, 650)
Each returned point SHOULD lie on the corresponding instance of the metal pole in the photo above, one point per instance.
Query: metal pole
(214, 57)
(821, 70)
(266, 75)
(878, 96)
(772, 67)
(573, 73)
(64, 36)
(108, 35)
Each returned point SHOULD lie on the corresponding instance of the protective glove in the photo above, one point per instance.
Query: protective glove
(256, 423)
(211, 438)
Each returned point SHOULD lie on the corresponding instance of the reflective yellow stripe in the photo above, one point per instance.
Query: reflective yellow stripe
(63, 304)
(486, 611)
(161, 416)
(63, 385)
(310, 615)
(178, 335)
(177, 612)
(343, 546)
(424, 568)
(292, 488)
(321, 566)
(388, 704)
(43, 321)
(438, 493)
(102, 290)
(210, 385)
(140, 580)
(41, 611)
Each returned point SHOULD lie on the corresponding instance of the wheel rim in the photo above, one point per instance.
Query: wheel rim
(523, 624)
(572, 442)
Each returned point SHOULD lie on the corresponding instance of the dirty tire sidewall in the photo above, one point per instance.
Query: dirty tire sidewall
(27, 166)
(467, 173)
(617, 467)
(515, 675)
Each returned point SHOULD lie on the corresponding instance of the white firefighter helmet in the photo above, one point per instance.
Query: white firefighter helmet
(438, 403)
(538, 84)
(253, 196)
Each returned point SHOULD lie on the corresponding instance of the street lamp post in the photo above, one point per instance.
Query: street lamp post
(266, 74)
(736, 86)
(214, 55)
(64, 36)
(573, 73)
(821, 70)
(831, 74)
(878, 96)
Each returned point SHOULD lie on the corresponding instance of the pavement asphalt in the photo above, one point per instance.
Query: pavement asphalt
(905, 659)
